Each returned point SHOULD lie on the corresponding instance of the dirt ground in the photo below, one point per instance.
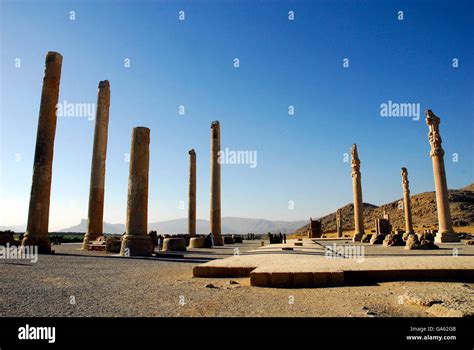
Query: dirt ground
(76, 283)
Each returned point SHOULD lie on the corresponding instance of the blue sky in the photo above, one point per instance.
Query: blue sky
(282, 63)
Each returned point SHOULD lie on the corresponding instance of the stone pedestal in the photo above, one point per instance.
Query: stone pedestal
(136, 240)
(216, 184)
(237, 239)
(357, 193)
(407, 202)
(192, 194)
(228, 240)
(445, 228)
(174, 245)
(197, 242)
(37, 230)
(99, 155)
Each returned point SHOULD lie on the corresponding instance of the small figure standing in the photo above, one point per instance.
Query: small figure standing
(160, 242)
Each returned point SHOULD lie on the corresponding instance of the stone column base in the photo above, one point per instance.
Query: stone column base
(174, 245)
(43, 243)
(357, 237)
(447, 237)
(218, 241)
(197, 242)
(87, 240)
(137, 245)
(406, 235)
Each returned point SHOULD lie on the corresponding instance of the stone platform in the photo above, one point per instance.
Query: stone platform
(308, 266)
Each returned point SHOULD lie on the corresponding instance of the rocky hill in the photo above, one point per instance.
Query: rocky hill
(423, 212)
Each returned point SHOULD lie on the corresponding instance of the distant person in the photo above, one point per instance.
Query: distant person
(280, 238)
(211, 237)
(284, 238)
(160, 242)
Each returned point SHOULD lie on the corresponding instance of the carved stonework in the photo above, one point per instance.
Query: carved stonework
(445, 225)
(405, 182)
(357, 193)
(434, 137)
(355, 164)
(314, 228)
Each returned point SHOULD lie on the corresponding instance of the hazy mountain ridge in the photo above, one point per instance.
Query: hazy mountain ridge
(229, 225)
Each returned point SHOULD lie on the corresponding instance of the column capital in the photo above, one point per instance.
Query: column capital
(355, 162)
(405, 182)
(434, 136)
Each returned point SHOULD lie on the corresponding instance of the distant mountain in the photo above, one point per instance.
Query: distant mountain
(82, 227)
(15, 228)
(229, 225)
(243, 225)
(461, 203)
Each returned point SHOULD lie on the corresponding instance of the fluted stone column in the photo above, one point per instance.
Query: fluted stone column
(192, 194)
(37, 231)
(445, 228)
(407, 202)
(99, 155)
(216, 184)
(339, 222)
(136, 240)
(357, 193)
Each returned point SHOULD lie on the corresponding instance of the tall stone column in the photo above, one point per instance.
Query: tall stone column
(216, 184)
(99, 155)
(136, 240)
(339, 222)
(445, 228)
(357, 193)
(407, 202)
(37, 230)
(192, 194)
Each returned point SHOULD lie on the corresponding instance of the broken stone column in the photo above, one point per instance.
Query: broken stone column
(37, 231)
(445, 228)
(216, 184)
(407, 202)
(339, 222)
(192, 194)
(357, 193)
(99, 155)
(136, 240)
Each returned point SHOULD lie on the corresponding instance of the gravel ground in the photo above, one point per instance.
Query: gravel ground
(76, 283)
